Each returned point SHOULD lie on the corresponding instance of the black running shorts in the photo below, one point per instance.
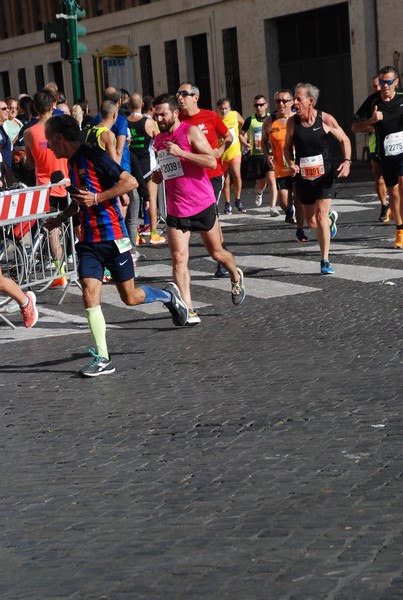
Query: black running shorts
(308, 192)
(202, 221)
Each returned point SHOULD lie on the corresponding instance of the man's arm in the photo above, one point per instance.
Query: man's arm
(203, 155)
(241, 121)
(226, 143)
(120, 144)
(367, 126)
(244, 136)
(54, 222)
(288, 147)
(124, 185)
(266, 146)
(364, 114)
(224, 134)
(150, 128)
(109, 141)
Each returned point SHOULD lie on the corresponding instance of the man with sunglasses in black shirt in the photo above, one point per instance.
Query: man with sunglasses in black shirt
(383, 113)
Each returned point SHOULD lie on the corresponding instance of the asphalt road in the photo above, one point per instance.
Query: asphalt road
(256, 456)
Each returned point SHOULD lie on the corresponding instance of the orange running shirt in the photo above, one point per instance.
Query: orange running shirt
(45, 160)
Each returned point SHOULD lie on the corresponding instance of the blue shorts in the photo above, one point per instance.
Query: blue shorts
(94, 257)
(392, 169)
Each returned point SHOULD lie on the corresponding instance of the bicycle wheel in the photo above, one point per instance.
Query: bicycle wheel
(12, 263)
(41, 268)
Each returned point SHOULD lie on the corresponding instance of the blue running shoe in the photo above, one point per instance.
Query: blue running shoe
(240, 206)
(325, 268)
(333, 216)
(227, 208)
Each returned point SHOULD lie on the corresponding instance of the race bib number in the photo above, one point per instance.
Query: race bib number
(171, 166)
(393, 144)
(123, 245)
(312, 167)
(257, 138)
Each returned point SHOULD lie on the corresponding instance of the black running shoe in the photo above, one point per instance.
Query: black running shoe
(221, 271)
(176, 306)
(300, 235)
(384, 213)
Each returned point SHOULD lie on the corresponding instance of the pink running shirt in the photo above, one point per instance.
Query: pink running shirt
(190, 191)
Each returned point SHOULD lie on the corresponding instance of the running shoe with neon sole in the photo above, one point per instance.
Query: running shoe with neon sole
(238, 292)
(29, 312)
(333, 216)
(193, 318)
(99, 366)
(325, 268)
(156, 238)
(176, 306)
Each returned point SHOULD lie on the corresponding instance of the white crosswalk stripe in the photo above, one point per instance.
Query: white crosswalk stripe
(359, 273)
(55, 323)
(51, 323)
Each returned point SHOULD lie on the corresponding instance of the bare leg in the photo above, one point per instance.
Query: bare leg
(317, 217)
(153, 210)
(12, 289)
(235, 172)
(213, 244)
(272, 186)
(179, 247)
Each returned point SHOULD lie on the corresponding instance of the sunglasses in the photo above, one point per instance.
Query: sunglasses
(280, 100)
(3, 107)
(184, 94)
(259, 104)
(387, 81)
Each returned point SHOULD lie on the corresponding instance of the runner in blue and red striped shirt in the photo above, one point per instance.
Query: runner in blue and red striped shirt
(104, 241)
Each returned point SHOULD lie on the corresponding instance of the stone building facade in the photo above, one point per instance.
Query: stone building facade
(234, 48)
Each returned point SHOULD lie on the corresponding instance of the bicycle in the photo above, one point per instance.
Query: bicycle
(26, 256)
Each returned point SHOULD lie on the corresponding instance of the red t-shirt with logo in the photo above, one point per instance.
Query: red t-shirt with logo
(213, 127)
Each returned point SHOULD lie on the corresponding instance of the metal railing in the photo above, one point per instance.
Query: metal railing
(29, 254)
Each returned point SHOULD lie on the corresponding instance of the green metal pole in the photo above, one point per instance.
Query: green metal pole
(73, 43)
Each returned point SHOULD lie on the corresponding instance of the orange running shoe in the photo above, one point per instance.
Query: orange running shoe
(399, 238)
(60, 282)
(29, 312)
(156, 238)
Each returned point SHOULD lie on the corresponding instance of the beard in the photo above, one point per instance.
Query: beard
(164, 127)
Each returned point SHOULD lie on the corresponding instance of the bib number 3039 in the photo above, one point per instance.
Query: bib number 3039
(393, 144)
(171, 166)
(312, 167)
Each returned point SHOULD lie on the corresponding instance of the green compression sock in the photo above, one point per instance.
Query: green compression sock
(97, 325)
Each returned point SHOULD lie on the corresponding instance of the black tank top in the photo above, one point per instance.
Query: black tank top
(311, 141)
(140, 143)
